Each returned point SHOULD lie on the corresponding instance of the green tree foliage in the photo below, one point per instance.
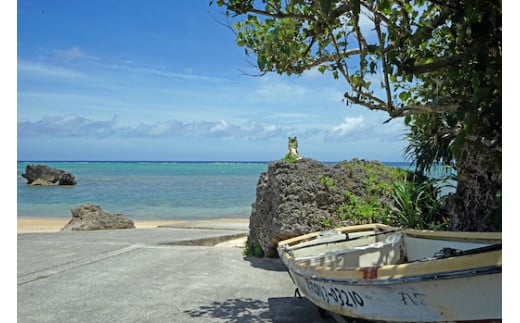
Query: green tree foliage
(435, 63)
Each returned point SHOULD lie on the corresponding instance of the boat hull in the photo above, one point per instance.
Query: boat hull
(456, 299)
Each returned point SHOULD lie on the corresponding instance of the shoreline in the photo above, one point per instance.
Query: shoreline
(55, 224)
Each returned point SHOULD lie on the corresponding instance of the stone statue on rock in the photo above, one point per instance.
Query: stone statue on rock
(292, 150)
(44, 175)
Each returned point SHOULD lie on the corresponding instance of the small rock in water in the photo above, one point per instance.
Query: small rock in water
(44, 175)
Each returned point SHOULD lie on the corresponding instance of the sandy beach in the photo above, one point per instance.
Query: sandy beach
(30, 225)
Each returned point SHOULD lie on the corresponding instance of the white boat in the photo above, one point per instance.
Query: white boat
(381, 273)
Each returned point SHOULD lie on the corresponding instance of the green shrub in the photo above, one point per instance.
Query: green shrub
(360, 211)
(290, 158)
(416, 205)
(253, 250)
(327, 181)
(326, 222)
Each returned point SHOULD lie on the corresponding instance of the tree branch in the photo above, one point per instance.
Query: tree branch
(279, 14)
(376, 13)
(422, 108)
(383, 63)
(435, 66)
(369, 105)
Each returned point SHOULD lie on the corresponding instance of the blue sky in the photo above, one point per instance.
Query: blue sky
(164, 80)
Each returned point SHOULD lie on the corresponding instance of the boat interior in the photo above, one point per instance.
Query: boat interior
(375, 247)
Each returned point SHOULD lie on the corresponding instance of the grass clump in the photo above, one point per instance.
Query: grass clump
(290, 158)
(327, 181)
(361, 211)
(253, 250)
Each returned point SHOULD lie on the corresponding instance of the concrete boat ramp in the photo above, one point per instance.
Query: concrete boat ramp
(164, 274)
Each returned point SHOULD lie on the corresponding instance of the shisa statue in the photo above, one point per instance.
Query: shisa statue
(292, 151)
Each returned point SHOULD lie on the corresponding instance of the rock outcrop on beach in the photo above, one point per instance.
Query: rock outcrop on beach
(306, 196)
(88, 217)
(44, 175)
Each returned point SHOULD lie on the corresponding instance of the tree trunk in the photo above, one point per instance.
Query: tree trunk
(476, 204)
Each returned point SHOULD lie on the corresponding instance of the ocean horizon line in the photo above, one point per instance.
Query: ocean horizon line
(192, 161)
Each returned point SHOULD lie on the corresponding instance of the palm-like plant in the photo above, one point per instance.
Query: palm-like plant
(432, 139)
(416, 205)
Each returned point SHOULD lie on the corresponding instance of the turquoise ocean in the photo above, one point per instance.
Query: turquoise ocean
(148, 190)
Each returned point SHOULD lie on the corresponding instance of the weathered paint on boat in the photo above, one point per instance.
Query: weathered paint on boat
(366, 278)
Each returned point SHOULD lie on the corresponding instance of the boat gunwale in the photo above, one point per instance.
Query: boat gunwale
(378, 228)
(383, 228)
(454, 235)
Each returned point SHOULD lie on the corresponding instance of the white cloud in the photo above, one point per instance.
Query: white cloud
(210, 129)
(352, 128)
(38, 70)
(220, 126)
(67, 126)
(293, 115)
(276, 89)
(75, 126)
(71, 53)
(348, 126)
(312, 74)
(393, 129)
(162, 72)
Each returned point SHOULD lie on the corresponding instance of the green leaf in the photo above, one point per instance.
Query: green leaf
(325, 6)
(384, 7)
(408, 7)
(405, 95)
(261, 61)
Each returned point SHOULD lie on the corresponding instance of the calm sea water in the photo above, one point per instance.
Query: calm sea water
(148, 190)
